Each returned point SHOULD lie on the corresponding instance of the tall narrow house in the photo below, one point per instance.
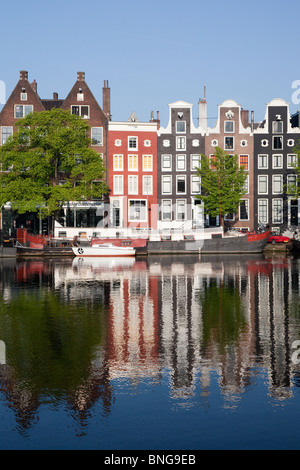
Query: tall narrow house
(81, 101)
(274, 156)
(234, 133)
(132, 171)
(179, 146)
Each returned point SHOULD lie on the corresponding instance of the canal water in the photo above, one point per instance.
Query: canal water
(181, 353)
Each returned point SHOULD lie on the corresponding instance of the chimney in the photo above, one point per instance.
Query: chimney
(157, 119)
(202, 107)
(106, 99)
(23, 75)
(55, 96)
(34, 86)
(245, 118)
(81, 76)
(252, 120)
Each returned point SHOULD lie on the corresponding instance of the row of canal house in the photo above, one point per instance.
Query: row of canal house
(151, 169)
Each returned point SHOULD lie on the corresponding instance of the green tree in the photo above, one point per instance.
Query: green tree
(222, 183)
(48, 162)
(292, 186)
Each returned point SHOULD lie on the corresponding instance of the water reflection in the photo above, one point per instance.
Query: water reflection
(73, 330)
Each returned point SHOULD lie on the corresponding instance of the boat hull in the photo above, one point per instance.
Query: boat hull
(294, 245)
(223, 245)
(103, 252)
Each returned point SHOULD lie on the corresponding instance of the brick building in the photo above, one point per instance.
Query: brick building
(234, 133)
(274, 143)
(180, 145)
(25, 99)
(132, 173)
(81, 101)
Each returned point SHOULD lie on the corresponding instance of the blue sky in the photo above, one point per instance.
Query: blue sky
(155, 52)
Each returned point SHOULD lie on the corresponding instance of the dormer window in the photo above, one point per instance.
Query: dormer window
(277, 127)
(132, 143)
(180, 127)
(228, 126)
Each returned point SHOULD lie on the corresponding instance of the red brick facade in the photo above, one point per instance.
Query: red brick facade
(133, 174)
(22, 100)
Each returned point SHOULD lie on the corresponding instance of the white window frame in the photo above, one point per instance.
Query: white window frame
(118, 184)
(133, 184)
(225, 130)
(183, 178)
(135, 219)
(178, 204)
(291, 158)
(132, 158)
(131, 140)
(96, 130)
(23, 106)
(147, 162)
(195, 161)
(275, 124)
(273, 142)
(274, 220)
(274, 157)
(274, 183)
(7, 134)
(225, 146)
(166, 179)
(163, 211)
(180, 158)
(195, 180)
(266, 206)
(80, 106)
(258, 184)
(163, 160)
(261, 156)
(180, 143)
(147, 185)
(289, 177)
(244, 155)
(120, 165)
(176, 127)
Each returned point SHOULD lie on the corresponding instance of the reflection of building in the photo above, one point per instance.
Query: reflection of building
(160, 316)
(200, 326)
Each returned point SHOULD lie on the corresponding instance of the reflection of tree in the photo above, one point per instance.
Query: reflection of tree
(222, 315)
(51, 347)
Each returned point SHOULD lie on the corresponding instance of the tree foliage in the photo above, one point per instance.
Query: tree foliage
(292, 187)
(222, 183)
(48, 161)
